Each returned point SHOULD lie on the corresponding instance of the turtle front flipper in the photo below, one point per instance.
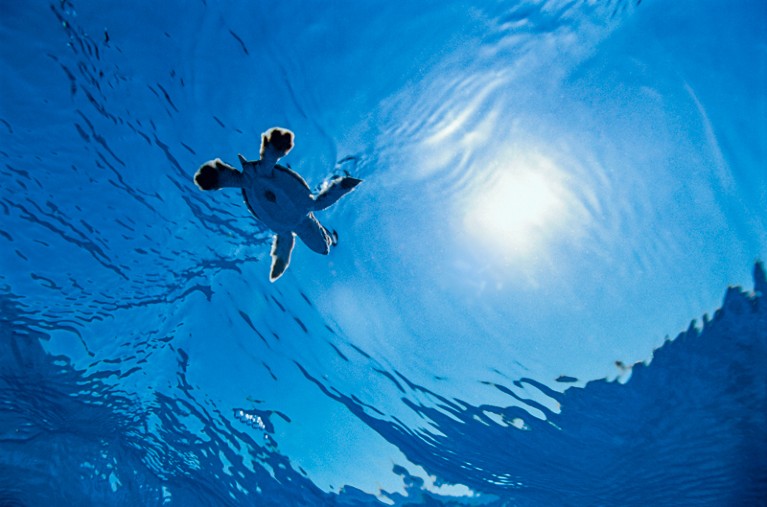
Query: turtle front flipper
(314, 235)
(333, 191)
(282, 246)
(275, 144)
(215, 174)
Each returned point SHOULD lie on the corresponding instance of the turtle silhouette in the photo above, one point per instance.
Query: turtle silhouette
(279, 197)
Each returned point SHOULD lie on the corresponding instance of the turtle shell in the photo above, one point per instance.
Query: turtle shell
(280, 200)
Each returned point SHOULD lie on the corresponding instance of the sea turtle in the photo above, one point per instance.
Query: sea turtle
(278, 196)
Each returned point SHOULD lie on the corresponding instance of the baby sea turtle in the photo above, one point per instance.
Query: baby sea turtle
(279, 197)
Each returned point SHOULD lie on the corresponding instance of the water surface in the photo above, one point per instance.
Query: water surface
(552, 191)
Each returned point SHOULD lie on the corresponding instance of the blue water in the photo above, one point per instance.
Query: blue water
(553, 191)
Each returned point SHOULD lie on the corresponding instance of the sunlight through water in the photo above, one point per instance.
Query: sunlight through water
(522, 206)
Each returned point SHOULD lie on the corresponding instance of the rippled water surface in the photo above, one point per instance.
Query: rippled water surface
(552, 191)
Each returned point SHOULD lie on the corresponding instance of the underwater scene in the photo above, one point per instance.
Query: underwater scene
(395, 253)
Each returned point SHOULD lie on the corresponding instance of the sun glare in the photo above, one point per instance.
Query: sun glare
(518, 208)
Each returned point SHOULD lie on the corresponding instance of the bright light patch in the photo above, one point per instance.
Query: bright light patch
(520, 207)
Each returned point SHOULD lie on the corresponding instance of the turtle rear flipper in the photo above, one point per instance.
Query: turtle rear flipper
(314, 235)
(275, 144)
(215, 174)
(332, 192)
(282, 246)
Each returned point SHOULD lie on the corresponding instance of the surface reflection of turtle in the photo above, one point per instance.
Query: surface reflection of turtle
(278, 197)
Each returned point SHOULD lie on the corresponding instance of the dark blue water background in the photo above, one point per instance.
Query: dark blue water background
(553, 191)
